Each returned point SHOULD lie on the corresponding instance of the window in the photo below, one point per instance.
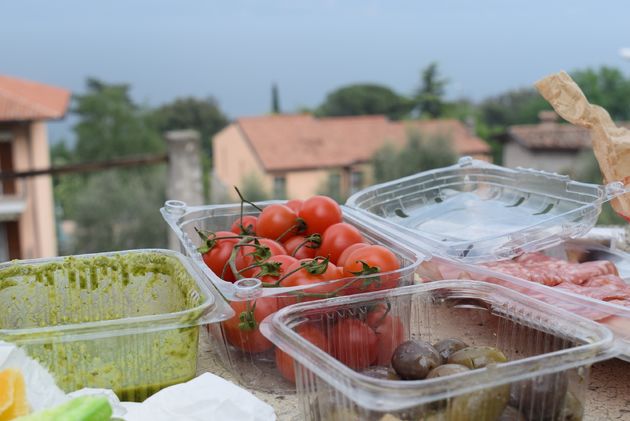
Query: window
(356, 181)
(279, 187)
(334, 185)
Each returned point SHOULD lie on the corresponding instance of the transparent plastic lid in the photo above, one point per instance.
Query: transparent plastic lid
(474, 211)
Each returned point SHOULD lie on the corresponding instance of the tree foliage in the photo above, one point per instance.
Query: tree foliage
(252, 189)
(419, 154)
(365, 99)
(275, 99)
(607, 87)
(203, 115)
(430, 93)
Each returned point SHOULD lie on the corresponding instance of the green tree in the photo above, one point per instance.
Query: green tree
(365, 99)
(275, 99)
(607, 87)
(203, 115)
(252, 189)
(520, 106)
(430, 95)
(419, 154)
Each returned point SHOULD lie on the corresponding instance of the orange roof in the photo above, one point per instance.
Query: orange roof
(24, 100)
(285, 142)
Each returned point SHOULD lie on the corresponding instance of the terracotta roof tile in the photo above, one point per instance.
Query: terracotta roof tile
(26, 100)
(284, 142)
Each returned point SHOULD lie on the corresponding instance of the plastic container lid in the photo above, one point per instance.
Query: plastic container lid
(474, 211)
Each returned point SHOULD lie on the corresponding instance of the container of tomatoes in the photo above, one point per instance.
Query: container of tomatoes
(445, 350)
(264, 256)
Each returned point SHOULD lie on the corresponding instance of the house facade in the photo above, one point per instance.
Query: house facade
(27, 223)
(297, 156)
(548, 145)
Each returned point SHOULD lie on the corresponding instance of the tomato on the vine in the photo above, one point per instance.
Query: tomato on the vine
(337, 238)
(319, 212)
(277, 222)
(245, 225)
(216, 252)
(251, 254)
(295, 204)
(306, 248)
(242, 330)
(285, 363)
(273, 269)
(389, 331)
(373, 260)
(310, 272)
(354, 343)
(341, 261)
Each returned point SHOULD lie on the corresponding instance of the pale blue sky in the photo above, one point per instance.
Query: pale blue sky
(234, 50)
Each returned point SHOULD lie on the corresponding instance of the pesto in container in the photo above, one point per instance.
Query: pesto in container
(124, 321)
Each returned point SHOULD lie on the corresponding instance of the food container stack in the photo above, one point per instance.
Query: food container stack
(251, 357)
(124, 321)
(520, 359)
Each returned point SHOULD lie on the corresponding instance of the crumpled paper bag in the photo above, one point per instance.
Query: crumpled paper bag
(207, 397)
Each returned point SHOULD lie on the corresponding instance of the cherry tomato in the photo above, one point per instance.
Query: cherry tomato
(389, 331)
(314, 272)
(276, 221)
(218, 255)
(378, 260)
(242, 330)
(285, 363)
(304, 251)
(270, 272)
(295, 204)
(354, 343)
(341, 261)
(336, 239)
(246, 226)
(319, 212)
(250, 254)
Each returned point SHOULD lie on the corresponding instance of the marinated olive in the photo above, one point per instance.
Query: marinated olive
(448, 346)
(381, 372)
(483, 405)
(413, 360)
(511, 414)
(447, 370)
(477, 356)
(540, 398)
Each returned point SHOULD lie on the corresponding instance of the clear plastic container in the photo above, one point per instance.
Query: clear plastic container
(475, 211)
(615, 317)
(245, 352)
(126, 321)
(549, 353)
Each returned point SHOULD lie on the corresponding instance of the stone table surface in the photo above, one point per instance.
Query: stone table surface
(608, 396)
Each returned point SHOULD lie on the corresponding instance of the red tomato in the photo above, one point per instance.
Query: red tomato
(341, 261)
(379, 260)
(354, 343)
(245, 258)
(389, 331)
(242, 330)
(319, 212)
(295, 204)
(304, 251)
(336, 239)
(266, 272)
(218, 255)
(285, 363)
(276, 221)
(247, 226)
(315, 272)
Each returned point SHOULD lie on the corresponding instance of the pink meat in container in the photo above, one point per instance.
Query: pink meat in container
(521, 359)
(251, 357)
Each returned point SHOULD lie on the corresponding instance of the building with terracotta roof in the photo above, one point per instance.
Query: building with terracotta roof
(549, 145)
(27, 227)
(296, 155)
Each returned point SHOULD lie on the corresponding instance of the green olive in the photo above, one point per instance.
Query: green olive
(483, 405)
(477, 356)
(381, 372)
(448, 346)
(511, 414)
(413, 360)
(447, 370)
(540, 398)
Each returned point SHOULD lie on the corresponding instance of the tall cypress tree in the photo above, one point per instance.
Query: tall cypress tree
(275, 100)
